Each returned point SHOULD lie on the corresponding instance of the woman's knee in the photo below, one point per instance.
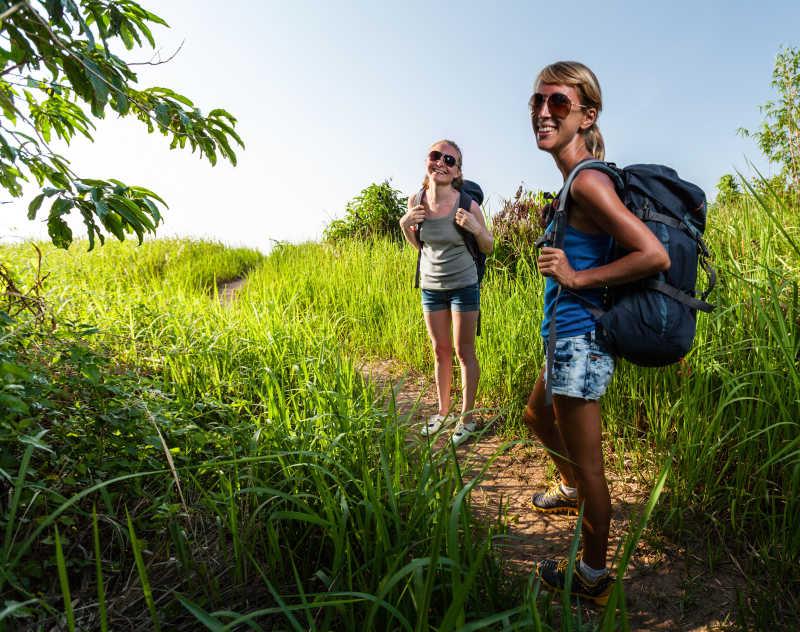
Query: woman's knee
(539, 420)
(443, 351)
(466, 354)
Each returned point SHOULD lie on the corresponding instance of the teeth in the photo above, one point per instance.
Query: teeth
(547, 128)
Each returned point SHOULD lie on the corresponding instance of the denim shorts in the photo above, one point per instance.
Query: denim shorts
(582, 367)
(465, 299)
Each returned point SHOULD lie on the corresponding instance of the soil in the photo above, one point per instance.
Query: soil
(668, 586)
(227, 290)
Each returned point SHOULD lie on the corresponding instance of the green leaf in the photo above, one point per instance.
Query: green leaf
(61, 206)
(59, 232)
(36, 442)
(100, 206)
(114, 226)
(64, 582)
(162, 114)
(143, 579)
(34, 206)
(13, 404)
(55, 10)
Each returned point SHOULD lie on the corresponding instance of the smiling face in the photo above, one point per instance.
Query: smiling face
(555, 132)
(438, 171)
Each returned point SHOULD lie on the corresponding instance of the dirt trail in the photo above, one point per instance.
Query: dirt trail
(667, 587)
(227, 290)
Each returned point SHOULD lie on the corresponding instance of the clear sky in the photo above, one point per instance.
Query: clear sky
(331, 97)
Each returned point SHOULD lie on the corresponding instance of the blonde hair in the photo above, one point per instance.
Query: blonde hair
(457, 182)
(580, 77)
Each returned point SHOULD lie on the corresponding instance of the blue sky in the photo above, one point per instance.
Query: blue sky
(332, 98)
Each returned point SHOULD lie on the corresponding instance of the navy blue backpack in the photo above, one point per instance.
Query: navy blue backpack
(650, 322)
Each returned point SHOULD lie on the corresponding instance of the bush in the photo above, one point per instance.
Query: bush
(517, 227)
(376, 212)
(728, 190)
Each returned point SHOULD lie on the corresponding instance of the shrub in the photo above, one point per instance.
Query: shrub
(728, 189)
(517, 227)
(375, 212)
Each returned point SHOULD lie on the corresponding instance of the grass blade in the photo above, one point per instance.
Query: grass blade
(140, 568)
(63, 580)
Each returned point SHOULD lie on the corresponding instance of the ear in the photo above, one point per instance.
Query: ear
(589, 118)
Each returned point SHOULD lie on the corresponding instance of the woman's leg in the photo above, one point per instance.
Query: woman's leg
(541, 421)
(438, 324)
(581, 429)
(464, 326)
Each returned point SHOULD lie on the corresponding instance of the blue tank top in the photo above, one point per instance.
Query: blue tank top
(583, 250)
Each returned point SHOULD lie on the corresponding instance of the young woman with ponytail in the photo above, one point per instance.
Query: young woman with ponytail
(448, 278)
(564, 108)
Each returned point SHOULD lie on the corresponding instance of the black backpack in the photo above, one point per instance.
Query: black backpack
(650, 322)
(469, 191)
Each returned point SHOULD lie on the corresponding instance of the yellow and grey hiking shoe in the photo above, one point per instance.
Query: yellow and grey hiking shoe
(553, 574)
(555, 501)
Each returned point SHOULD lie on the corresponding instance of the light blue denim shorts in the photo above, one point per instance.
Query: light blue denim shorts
(582, 367)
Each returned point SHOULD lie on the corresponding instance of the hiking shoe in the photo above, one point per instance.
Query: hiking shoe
(462, 432)
(555, 501)
(432, 426)
(553, 574)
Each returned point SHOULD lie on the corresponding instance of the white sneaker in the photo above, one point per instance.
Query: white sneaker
(462, 432)
(432, 426)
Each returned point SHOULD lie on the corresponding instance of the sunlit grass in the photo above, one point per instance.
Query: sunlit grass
(300, 503)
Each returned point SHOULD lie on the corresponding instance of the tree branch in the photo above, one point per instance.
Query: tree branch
(160, 61)
(12, 10)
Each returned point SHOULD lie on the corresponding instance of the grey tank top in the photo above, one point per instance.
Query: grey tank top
(446, 263)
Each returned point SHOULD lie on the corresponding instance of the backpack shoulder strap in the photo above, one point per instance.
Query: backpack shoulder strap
(465, 202)
(556, 240)
(417, 201)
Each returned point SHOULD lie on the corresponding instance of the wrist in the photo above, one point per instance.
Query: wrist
(577, 280)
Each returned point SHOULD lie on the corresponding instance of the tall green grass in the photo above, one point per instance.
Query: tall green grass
(301, 505)
(185, 464)
(732, 412)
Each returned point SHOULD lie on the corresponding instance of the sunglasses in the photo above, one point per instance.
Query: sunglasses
(558, 104)
(449, 160)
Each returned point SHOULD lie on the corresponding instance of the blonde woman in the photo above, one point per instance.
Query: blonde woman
(448, 279)
(564, 107)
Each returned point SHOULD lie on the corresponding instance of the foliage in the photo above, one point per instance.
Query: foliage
(295, 500)
(728, 189)
(207, 461)
(375, 212)
(58, 74)
(779, 134)
(730, 411)
(517, 226)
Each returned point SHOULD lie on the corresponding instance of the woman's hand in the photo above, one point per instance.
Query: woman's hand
(468, 221)
(415, 216)
(553, 263)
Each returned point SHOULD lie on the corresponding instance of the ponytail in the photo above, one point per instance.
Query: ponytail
(580, 77)
(594, 142)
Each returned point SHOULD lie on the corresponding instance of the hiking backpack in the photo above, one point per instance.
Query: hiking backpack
(468, 192)
(650, 322)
